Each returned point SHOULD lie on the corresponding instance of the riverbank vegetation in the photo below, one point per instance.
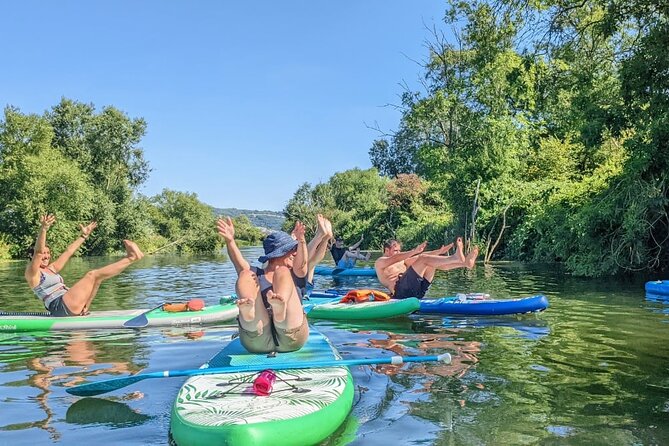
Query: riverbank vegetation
(542, 134)
(84, 165)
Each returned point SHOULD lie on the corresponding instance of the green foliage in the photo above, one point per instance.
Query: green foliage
(5, 248)
(246, 231)
(560, 111)
(362, 203)
(36, 178)
(186, 222)
(81, 166)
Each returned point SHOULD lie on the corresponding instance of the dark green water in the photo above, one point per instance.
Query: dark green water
(592, 369)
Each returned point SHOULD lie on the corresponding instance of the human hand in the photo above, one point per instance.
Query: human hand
(299, 231)
(86, 230)
(47, 220)
(226, 229)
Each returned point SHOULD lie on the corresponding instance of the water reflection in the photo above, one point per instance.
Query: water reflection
(92, 411)
(590, 370)
(59, 360)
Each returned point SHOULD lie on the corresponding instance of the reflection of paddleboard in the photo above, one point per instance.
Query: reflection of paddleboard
(103, 411)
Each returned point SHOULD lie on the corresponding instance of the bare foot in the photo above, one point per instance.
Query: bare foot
(247, 308)
(445, 248)
(470, 260)
(134, 253)
(459, 249)
(278, 304)
(328, 227)
(321, 230)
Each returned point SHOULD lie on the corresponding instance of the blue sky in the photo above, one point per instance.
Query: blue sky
(244, 100)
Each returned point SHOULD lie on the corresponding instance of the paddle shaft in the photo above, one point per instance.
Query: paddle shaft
(97, 388)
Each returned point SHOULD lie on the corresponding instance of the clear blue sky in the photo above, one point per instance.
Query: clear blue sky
(244, 100)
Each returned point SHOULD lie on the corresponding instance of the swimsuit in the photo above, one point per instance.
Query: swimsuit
(410, 284)
(50, 290)
(337, 253)
(345, 264)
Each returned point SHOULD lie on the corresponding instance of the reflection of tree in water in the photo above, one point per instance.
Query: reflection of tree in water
(78, 352)
(463, 354)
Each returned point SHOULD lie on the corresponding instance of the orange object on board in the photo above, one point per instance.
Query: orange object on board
(357, 296)
(191, 305)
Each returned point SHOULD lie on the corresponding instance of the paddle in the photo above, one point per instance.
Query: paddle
(99, 387)
(141, 320)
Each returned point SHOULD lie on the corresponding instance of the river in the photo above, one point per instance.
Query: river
(592, 369)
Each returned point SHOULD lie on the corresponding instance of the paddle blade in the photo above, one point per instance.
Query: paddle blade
(137, 321)
(100, 387)
(141, 320)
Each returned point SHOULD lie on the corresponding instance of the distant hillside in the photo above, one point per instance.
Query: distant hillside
(262, 219)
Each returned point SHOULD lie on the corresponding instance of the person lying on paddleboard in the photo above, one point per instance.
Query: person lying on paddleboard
(410, 273)
(345, 257)
(271, 317)
(44, 279)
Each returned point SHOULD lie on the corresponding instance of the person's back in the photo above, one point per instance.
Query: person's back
(338, 250)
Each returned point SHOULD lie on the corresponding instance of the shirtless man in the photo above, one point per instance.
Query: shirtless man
(410, 273)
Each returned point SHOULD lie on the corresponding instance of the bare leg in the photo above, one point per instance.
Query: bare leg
(426, 264)
(79, 297)
(318, 246)
(470, 260)
(315, 242)
(286, 306)
(252, 312)
(459, 249)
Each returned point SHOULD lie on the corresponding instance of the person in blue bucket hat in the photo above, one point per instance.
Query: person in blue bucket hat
(271, 317)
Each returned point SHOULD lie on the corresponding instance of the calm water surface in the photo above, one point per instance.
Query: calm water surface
(592, 369)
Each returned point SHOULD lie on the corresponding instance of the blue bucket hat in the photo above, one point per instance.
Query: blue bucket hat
(277, 244)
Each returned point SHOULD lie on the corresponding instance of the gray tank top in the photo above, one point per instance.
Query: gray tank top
(50, 287)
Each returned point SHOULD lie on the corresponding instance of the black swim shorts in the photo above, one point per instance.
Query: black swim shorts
(410, 284)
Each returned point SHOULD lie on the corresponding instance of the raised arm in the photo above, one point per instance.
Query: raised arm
(32, 269)
(443, 250)
(62, 260)
(300, 263)
(385, 262)
(355, 246)
(227, 230)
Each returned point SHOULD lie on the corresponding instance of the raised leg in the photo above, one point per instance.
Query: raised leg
(318, 246)
(79, 297)
(286, 306)
(252, 312)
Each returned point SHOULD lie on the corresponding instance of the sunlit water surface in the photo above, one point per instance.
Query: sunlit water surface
(592, 369)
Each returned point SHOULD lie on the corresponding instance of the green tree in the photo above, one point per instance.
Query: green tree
(186, 222)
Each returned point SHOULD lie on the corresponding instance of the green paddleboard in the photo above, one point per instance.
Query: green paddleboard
(305, 405)
(21, 322)
(327, 308)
